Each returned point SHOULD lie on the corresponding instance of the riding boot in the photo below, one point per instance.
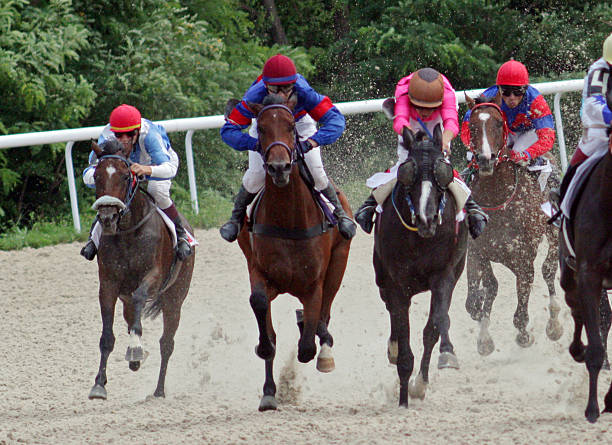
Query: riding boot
(365, 214)
(230, 230)
(346, 226)
(183, 248)
(89, 250)
(477, 219)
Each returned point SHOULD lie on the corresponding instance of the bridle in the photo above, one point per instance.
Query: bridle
(290, 151)
(504, 157)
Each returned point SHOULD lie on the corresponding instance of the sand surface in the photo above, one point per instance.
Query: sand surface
(50, 327)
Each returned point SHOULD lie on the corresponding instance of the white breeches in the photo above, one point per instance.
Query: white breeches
(520, 142)
(160, 190)
(593, 140)
(255, 176)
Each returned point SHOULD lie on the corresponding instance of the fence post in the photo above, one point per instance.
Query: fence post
(191, 172)
(72, 187)
(560, 135)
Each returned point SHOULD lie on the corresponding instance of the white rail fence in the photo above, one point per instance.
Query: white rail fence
(209, 122)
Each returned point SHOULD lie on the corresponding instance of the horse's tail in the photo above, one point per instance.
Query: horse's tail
(153, 307)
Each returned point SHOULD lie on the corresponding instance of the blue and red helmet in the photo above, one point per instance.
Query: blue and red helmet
(279, 70)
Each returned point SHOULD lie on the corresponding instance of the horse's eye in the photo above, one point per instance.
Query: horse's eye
(127, 177)
(499, 124)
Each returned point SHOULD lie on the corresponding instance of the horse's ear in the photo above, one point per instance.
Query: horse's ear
(96, 148)
(255, 108)
(388, 107)
(229, 107)
(437, 135)
(469, 101)
(292, 101)
(408, 137)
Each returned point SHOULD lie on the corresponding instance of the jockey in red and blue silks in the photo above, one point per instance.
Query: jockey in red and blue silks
(280, 78)
(525, 110)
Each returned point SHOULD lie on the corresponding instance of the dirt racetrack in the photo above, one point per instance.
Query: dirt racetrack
(50, 327)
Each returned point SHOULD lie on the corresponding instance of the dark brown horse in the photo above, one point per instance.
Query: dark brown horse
(511, 196)
(136, 263)
(588, 233)
(291, 248)
(419, 246)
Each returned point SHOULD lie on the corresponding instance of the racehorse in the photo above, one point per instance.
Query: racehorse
(136, 263)
(586, 237)
(291, 248)
(419, 246)
(511, 197)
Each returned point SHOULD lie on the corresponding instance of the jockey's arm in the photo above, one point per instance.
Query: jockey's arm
(232, 131)
(544, 125)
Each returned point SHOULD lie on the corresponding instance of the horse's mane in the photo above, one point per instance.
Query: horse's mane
(272, 99)
(483, 100)
(111, 146)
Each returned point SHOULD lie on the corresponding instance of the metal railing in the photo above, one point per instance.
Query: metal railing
(209, 122)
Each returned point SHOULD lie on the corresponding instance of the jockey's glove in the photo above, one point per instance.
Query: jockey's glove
(521, 158)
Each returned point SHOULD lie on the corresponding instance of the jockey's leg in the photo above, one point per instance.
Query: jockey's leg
(365, 214)
(89, 250)
(183, 249)
(346, 226)
(252, 182)
(477, 218)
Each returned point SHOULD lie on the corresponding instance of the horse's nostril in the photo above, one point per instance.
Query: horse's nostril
(287, 167)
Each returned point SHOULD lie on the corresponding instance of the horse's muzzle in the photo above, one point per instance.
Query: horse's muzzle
(279, 172)
(109, 218)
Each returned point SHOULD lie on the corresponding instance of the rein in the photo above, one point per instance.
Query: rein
(290, 151)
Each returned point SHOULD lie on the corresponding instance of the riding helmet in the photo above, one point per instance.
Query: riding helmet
(512, 73)
(426, 88)
(124, 118)
(607, 49)
(279, 70)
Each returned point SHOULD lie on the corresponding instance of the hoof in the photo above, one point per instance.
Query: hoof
(525, 340)
(554, 330)
(97, 392)
(134, 366)
(447, 360)
(485, 346)
(268, 403)
(417, 387)
(392, 352)
(325, 359)
(592, 415)
(136, 354)
(159, 393)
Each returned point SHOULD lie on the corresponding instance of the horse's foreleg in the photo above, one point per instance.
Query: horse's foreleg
(606, 319)
(261, 308)
(524, 279)
(485, 343)
(441, 295)
(475, 296)
(132, 312)
(107, 344)
(554, 329)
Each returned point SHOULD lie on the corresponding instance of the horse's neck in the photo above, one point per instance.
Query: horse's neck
(288, 206)
(605, 187)
(140, 206)
(504, 176)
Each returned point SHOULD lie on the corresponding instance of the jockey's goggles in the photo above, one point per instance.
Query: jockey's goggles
(280, 89)
(517, 91)
(129, 134)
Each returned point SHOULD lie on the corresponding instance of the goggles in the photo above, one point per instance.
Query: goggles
(280, 89)
(129, 134)
(510, 90)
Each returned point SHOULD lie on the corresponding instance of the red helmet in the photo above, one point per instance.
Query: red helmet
(279, 70)
(512, 73)
(124, 118)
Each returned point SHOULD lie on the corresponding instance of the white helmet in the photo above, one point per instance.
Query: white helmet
(607, 49)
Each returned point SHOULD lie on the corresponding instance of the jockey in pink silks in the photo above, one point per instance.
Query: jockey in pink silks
(423, 100)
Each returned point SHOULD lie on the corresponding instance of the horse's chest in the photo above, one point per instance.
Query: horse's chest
(289, 266)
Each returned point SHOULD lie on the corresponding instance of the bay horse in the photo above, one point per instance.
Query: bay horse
(136, 263)
(291, 248)
(511, 196)
(419, 246)
(587, 237)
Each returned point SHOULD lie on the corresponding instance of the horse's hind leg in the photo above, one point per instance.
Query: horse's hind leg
(172, 318)
(606, 319)
(554, 329)
(107, 344)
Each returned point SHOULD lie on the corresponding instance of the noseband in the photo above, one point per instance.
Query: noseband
(290, 151)
(129, 194)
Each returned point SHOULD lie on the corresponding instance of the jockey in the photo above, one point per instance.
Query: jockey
(595, 114)
(148, 148)
(280, 77)
(423, 99)
(525, 111)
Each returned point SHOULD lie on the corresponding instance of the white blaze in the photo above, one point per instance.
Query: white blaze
(110, 170)
(486, 147)
(425, 192)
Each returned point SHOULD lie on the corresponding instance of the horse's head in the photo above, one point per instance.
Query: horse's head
(488, 132)
(115, 183)
(277, 136)
(425, 176)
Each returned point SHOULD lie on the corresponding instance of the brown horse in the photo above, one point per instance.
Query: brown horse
(136, 263)
(419, 246)
(291, 248)
(511, 197)
(587, 238)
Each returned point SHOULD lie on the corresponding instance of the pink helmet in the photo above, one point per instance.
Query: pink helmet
(279, 70)
(124, 118)
(512, 73)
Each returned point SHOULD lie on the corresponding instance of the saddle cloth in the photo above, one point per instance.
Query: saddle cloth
(96, 233)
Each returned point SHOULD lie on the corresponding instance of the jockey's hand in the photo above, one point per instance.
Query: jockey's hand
(446, 150)
(521, 158)
(141, 170)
